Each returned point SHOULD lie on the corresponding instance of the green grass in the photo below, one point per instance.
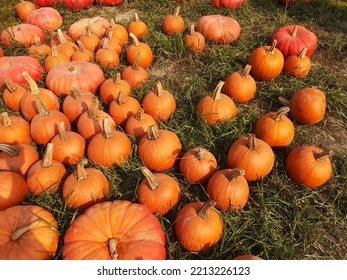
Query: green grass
(282, 220)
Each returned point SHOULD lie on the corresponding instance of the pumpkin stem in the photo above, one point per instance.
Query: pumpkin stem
(136, 17)
(61, 37)
(76, 93)
(153, 133)
(200, 154)
(303, 53)
(116, 79)
(159, 89)
(19, 232)
(37, 41)
(11, 87)
(33, 85)
(217, 91)
(153, 181)
(252, 143)
(295, 30)
(5, 120)
(81, 173)
(48, 156)
(81, 46)
(321, 156)
(246, 71)
(177, 11)
(112, 246)
(137, 60)
(136, 41)
(192, 28)
(202, 212)
(41, 107)
(121, 97)
(273, 46)
(12, 151)
(93, 111)
(54, 51)
(140, 114)
(108, 133)
(284, 101)
(281, 111)
(105, 44)
(63, 132)
(234, 173)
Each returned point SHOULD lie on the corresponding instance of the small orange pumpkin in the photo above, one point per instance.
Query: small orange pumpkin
(194, 41)
(111, 87)
(136, 76)
(297, 65)
(173, 24)
(138, 27)
(14, 130)
(139, 47)
(137, 124)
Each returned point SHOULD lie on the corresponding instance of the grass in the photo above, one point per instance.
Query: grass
(282, 220)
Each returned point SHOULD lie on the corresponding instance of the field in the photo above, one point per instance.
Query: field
(282, 219)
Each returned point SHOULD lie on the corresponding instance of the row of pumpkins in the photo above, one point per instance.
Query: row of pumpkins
(49, 123)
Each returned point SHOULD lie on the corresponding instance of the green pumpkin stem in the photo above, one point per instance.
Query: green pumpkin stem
(19, 232)
(41, 107)
(234, 173)
(202, 212)
(153, 181)
(153, 133)
(5, 120)
(216, 95)
(10, 150)
(251, 142)
(245, 72)
(112, 246)
(322, 155)
(108, 133)
(48, 156)
(281, 112)
(81, 173)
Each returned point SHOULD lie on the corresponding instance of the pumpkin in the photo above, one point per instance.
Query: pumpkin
(89, 40)
(106, 57)
(173, 24)
(307, 105)
(12, 67)
(240, 86)
(118, 31)
(137, 124)
(28, 232)
(159, 103)
(113, 43)
(21, 35)
(198, 226)
(39, 51)
(81, 74)
(216, 107)
(109, 2)
(297, 65)
(64, 46)
(138, 27)
(13, 93)
(82, 53)
(14, 130)
(230, 4)
(309, 166)
(47, 18)
(253, 155)
(267, 62)
(18, 158)
(194, 41)
(136, 76)
(275, 128)
(45, 3)
(248, 258)
(219, 29)
(55, 58)
(28, 106)
(76, 103)
(198, 165)
(1, 52)
(46, 175)
(13, 190)
(229, 189)
(115, 230)
(55, 37)
(109, 147)
(77, 5)
(69, 146)
(139, 47)
(292, 39)
(159, 192)
(111, 87)
(45, 125)
(85, 187)
(122, 108)
(97, 25)
(159, 149)
(24, 8)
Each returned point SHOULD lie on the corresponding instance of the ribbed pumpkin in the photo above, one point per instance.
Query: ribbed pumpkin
(252, 155)
(97, 25)
(229, 189)
(13, 93)
(38, 50)
(198, 226)
(158, 191)
(55, 58)
(216, 107)
(137, 124)
(138, 27)
(159, 149)
(173, 24)
(14, 130)
(24, 8)
(309, 166)
(118, 31)
(110, 88)
(85, 187)
(107, 57)
(89, 40)
(297, 65)
(139, 47)
(64, 46)
(275, 128)
(46, 175)
(198, 165)
(194, 41)
(82, 53)
(113, 43)
(28, 232)
(136, 76)
(109, 147)
(47, 18)
(159, 103)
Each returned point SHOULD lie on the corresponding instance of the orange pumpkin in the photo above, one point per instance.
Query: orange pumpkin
(111, 87)
(107, 57)
(38, 50)
(297, 65)
(24, 8)
(138, 27)
(47, 18)
(194, 41)
(82, 53)
(113, 43)
(137, 124)
(14, 130)
(118, 31)
(136, 76)
(55, 58)
(173, 24)
(65, 47)
(13, 93)
(139, 47)
(89, 40)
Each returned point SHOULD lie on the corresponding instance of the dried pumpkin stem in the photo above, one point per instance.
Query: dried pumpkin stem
(136, 17)
(192, 28)
(76, 93)
(112, 246)
(234, 173)
(48, 156)
(159, 89)
(136, 41)
(246, 71)
(63, 132)
(61, 37)
(140, 114)
(37, 41)
(302, 53)
(81, 46)
(41, 107)
(93, 111)
(153, 133)
(121, 97)
(177, 11)
(251, 142)
(5, 120)
(137, 60)
(19, 232)
(33, 85)
(10, 150)
(295, 30)
(108, 133)
(272, 48)
(321, 156)
(116, 79)
(153, 181)
(284, 101)
(281, 112)
(11, 87)
(81, 173)
(105, 44)
(217, 91)
(200, 154)
(202, 212)
(54, 51)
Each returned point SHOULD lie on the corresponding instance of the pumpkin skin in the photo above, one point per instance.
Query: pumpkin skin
(14, 130)
(198, 165)
(173, 24)
(292, 39)
(45, 3)
(13, 190)
(136, 76)
(118, 31)
(118, 230)
(13, 93)
(297, 65)
(55, 58)
(159, 149)
(267, 62)
(82, 53)
(219, 29)
(198, 226)
(106, 57)
(309, 166)
(137, 47)
(229, 189)
(77, 5)
(194, 41)
(39, 51)
(275, 128)
(111, 87)
(47, 18)
(24, 8)
(137, 124)
(83, 75)
(159, 192)
(85, 187)
(12, 67)
(89, 40)
(98, 25)
(109, 2)
(29, 232)
(230, 4)
(252, 155)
